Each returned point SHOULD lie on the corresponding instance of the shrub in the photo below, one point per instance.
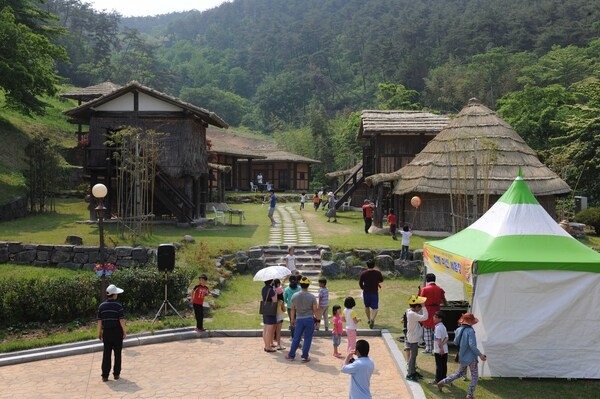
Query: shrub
(63, 299)
(591, 217)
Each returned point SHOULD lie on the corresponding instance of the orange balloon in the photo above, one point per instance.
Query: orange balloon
(415, 201)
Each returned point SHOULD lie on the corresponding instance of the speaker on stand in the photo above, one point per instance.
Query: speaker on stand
(165, 260)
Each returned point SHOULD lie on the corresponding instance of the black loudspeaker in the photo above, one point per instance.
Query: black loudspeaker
(165, 257)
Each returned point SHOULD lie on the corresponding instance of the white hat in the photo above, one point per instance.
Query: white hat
(330, 193)
(113, 289)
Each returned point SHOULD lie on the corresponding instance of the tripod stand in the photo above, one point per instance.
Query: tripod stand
(165, 304)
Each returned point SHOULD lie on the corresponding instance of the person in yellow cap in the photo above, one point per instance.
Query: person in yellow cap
(414, 315)
(304, 315)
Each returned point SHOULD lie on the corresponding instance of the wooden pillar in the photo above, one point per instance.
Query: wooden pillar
(203, 187)
(379, 209)
(250, 176)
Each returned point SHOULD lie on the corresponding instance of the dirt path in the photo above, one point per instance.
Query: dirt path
(317, 223)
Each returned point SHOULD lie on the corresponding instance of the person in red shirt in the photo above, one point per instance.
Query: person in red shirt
(436, 297)
(367, 210)
(200, 291)
(392, 222)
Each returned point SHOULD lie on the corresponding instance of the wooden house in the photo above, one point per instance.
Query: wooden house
(464, 170)
(390, 139)
(179, 172)
(251, 156)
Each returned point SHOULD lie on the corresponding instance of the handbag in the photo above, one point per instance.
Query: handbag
(267, 308)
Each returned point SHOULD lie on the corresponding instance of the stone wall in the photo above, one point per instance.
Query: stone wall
(73, 256)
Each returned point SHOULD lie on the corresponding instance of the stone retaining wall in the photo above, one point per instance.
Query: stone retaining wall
(73, 256)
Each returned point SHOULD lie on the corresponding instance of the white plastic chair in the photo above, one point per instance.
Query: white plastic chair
(346, 205)
(219, 214)
(253, 187)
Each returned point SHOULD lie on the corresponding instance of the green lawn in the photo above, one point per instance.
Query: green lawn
(237, 307)
(53, 228)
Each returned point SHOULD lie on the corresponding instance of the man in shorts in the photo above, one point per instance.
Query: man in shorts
(369, 282)
(272, 204)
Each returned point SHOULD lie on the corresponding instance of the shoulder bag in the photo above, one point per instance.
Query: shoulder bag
(267, 308)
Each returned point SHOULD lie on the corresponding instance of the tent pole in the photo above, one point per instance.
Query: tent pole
(451, 200)
(475, 207)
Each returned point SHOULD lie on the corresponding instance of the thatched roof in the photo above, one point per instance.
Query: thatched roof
(397, 122)
(476, 133)
(83, 112)
(246, 147)
(343, 173)
(91, 92)
(226, 143)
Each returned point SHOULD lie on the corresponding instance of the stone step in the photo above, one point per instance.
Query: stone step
(279, 259)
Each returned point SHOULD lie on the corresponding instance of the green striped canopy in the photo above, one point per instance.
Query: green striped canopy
(518, 234)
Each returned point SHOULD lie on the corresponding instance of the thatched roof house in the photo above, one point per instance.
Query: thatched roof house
(466, 168)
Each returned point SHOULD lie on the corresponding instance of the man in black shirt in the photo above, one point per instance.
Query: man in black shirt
(111, 331)
(369, 281)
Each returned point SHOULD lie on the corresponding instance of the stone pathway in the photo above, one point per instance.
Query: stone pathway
(215, 365)
(291, 228)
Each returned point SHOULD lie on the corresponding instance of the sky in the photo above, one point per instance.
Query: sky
(140, 8)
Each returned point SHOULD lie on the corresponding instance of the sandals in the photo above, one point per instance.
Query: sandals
(280, 348)
(440, 385)
(288, 357)
(305, 360)
(270, 350)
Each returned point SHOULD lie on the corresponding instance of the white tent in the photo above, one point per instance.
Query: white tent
(534, 288)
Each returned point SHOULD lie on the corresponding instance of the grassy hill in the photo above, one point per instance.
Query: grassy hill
(17, 130)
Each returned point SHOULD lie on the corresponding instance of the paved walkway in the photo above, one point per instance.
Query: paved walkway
(291, 228)
(210, 366)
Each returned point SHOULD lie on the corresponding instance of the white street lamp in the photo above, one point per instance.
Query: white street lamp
(99, 191)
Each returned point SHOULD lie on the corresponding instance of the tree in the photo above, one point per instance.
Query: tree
(576, 153)
(228, 106)
(533, 112)
(284, 96)
(396, 96)
(27, 55)
(138, 60)
(347, 149)
(321, 138)
(42, 176)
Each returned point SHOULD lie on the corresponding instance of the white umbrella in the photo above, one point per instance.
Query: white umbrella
(271, 273)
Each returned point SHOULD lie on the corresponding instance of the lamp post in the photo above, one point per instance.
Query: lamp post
(99, 192)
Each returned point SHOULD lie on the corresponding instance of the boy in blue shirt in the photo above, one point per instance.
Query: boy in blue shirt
(360, 370)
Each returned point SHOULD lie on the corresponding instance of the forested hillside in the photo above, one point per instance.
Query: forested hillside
(301, 69)
(254, 60)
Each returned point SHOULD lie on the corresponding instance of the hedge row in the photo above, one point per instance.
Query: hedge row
(63, 299)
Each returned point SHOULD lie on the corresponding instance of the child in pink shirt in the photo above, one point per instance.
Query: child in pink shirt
(337, 330)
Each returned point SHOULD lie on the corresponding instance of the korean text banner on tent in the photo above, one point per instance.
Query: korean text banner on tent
(451, 264)
(457, 266)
